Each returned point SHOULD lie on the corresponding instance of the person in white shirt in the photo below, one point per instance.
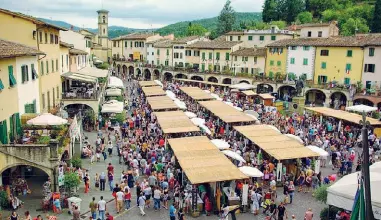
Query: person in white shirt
(119, 201)
(102, 208)
(142, 204)
(255, 197)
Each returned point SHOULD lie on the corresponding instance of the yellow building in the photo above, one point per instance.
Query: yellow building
(249, 60)
(10, 87)
(276, 60)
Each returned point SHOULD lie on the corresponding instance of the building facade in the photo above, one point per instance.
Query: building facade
(249, 60)
(163, 53)
(276, 61)
(300, 62)
(371, 75)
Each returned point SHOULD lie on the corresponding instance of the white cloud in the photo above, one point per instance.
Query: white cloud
(128, 13)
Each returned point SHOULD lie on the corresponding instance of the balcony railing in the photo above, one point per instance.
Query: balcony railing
(76, 95)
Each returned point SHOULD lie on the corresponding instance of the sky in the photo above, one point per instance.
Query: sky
(127, 13)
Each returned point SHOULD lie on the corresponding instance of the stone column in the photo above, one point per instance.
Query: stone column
(53, 144)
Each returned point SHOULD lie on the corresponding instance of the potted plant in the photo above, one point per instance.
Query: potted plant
(71, 182)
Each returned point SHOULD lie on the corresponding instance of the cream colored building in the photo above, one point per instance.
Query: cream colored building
(249, 60)
(316, 30)
(180, 52)
(162, 53)
(65, 62)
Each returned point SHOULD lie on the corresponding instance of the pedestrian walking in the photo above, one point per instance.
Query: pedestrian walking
(101, 208)
(93, 208)
(172, 213)
(127, 198)
(111, 181)
(102, 181)
(119, 200)
(87, 183)
(142, 203)
(309, 214)
(281, 211)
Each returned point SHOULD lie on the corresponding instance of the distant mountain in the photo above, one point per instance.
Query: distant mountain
(179, 28)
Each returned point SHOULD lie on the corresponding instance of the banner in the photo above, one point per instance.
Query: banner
(279, 173)
(245, 192)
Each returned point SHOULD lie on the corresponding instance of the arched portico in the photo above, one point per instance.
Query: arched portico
(212, 79)
(147, 74)
(227, 81)
(168, 76)
(198, 78)
(286, 93)
(315, 97)
(338, 100)
(264, 88)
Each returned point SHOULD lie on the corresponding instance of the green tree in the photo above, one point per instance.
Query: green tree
(304, 17)
(321, 193)
(330, 15)
(269, 11)
(281, 10)
(294, 7)
(279, 24)
(226, 19)
(317, 7)
(353, 26)
(71, 181)
(196, 30)
(376, 25)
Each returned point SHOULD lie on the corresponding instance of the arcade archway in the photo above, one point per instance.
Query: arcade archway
(227, 81)
(168, 76)
(338, 100)
(198, 78)
(213, 79)
(315, 97)
(147, 74)
(264, 88)
(286, 93)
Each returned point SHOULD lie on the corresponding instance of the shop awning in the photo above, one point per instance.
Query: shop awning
(202, 162)
(147, 83)
(202, 82)
(79, 77)
(266, 96)
(342, 115)
(115, 82)
(153, 91)
(197, 94)
(249, 93)
(274, 143)
(225, 112)
(93, 71)
(172, 122)
(161, 103)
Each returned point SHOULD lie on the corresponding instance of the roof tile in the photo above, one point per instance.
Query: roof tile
(250, 52)
(11, 49)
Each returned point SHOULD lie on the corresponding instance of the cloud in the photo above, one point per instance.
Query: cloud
(129, 13)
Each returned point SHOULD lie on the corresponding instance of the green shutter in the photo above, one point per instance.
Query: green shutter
(47, 67)
(271, 62)
(347, 81)
(279, 63)
(273, 37)
(371, 52)
(227, 56)
(210, 56)
(18, 124)
(261, 38)
(348, 66)
(305, 61)
(203, 55)
(319, 79)
(167, 52)
(271, 75)
(42, 68)
(349, 53)
(218, 55)
(250, 37)
(323, 65)
(158, 52)
(3, 132)
(11, 129)
(12, 80)
(292, 61)
(23, 74)
(1, 85)
(203, 67)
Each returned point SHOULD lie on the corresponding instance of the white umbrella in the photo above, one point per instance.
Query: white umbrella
(180, 104)
(205, 128)
(112, 106)
(214, 95)
(361, 108)
(274, 128)
(295, 137)
(318, 150)
(242, 86)
(198, 121)
(47, 119)
(233, 155)
(229, 103)
(190, 114)
(250, 171)
(159, 83)
(221, 144)
(252, 116)
(207, 91)
(252, 112)
(171, 95)
(238, 108)
(376, 167)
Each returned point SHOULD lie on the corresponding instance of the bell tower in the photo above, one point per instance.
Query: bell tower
(103, 27)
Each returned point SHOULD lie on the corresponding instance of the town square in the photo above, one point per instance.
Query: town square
(270, 110)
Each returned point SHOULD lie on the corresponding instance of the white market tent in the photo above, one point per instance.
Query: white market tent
(180, 104)
(170, 94)
(295, 137)
(318, 150)
(47, 119)
(242, 86)
(115, 82)
(113, 92)
(190, 114)
(112, 106)
(233, 155)
(342, 193)
(252, 112)
(198, 121)
(250, 171)
(159, 83)
(361, 108)
(221, 144)
(205, 128)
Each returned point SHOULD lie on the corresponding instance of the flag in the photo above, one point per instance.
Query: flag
(358, 209)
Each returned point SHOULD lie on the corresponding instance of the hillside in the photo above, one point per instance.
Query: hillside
(210, 24)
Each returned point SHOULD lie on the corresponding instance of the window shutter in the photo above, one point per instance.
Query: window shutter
(11, 131)
(22, 74)
(3, 132)
(365, 67)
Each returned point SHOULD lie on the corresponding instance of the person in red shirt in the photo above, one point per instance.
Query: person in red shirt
(161, 142)
(109, 217)
(110, 168)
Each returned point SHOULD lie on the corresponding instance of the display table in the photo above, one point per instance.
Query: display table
(232, 196)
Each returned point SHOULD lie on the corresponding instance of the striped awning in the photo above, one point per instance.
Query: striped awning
(80, 77)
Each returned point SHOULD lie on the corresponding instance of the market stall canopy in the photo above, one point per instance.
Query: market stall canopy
(196, 93)
(342, 115)
(221, 144)
(249, 93)
(266, 96)
(295, 137)
(226, 113)
(242, 86)
(233, 155)
(171, 95)
(153, 91)
(202, 82)
(80, 77)
(159, 83)
(115, 82)
(202, 162)
(274, 143)
(342, 193)
(251, 171)
(318, 150)
(159, 103)
(172, 122)
(361, 108)
(147, 83)
(93, 71)
(113, 92)
(47, 119)
(112, 106)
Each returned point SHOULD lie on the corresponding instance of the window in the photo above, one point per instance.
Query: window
(293, 48)
(12, 79)
(203, 67)
(261, 38)
(47, 67)
(349, 53)
(371, 52)
(227, 56)
(176, 55)
(196, 53)
(250, 37)
(131, 44)
(324, 53)
(43, 101)
(370, 68)
(271, 74)
(239, 38)
(58, 92)
(40, 36)
(203, 56)
(52, 65)
(231, 38)
(348, 67)
(347, 81)
(273, 37)
(210, 56)
(56, 39)
(56, 64)
(34, 73)
(271, 62)
(158, 52)
(42, 68)
(181, 55)
(322, 79)
(24, 74)
(30, 108)
(255, 60)
(306, 48)
(309, 34)
(188, 53)
(305, 61)
(167, 52)
(51, 39)
(279, 63)
(292, 60)
(46, 37)
(158, 62)
(235, 58)
(114, 43)
(218, 56)
(166, 63)
(323, 65)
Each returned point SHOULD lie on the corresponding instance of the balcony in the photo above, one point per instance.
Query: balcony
(80, 93)
(329, 86)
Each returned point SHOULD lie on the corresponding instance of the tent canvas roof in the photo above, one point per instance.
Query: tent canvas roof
(343, 115)
(197, 93)
(249, 93)
(161, 103)
(202, 162)
(274, 143)
(153, 91)
(93, 71)
(175, 122)
(266, 96)
(80, 77)
(226, 112)
(203, 82)
(147, 83)
(115, 82)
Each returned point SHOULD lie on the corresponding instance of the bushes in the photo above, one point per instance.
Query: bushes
(71, 181)
(103, 66)
(43, 140)
(76, 162)
(332, 213)
(321, 193)
(3, 199)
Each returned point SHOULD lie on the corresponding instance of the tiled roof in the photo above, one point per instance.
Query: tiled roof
(184, 40)
(220, 38)
(11, 49)
(214, 44)
(353, 41)
(77, 52)
(163, 44)
(250, 52)
(134, 36)
(64, 44)
(235, 33)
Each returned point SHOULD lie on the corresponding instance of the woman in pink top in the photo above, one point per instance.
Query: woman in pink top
(309, 214)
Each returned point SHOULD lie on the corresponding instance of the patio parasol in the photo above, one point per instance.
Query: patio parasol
(250, 171)
(233, 155)
(221, 144)
(47, 119)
